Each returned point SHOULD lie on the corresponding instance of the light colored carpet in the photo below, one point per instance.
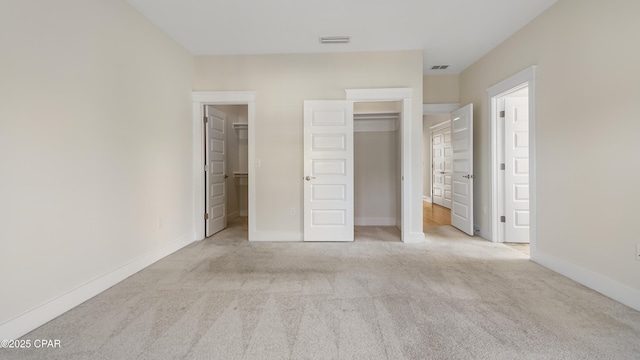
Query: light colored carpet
(453, 297)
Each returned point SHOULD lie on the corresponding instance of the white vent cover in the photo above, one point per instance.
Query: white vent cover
(335, 40)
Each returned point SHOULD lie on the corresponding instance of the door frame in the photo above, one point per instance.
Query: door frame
(524, 78)
(200, 99)
(408, 209)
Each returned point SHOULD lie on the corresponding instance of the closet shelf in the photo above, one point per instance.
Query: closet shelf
(241, 177)
(242, 130)
(375, 122)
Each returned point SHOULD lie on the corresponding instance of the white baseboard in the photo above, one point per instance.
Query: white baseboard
(427, 199)
(414, 238)
(232, 216)
(55, 307)
(277, 236)
(602, 284)
(483, 234)
(374, 221)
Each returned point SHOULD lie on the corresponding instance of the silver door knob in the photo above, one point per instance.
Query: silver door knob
(309, 178)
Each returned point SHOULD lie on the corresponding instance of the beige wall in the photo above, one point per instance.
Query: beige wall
(588, 134)
(282, 83)
(441, 89)
(95, 146)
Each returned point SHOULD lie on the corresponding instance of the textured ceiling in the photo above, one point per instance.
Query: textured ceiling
(452, 32)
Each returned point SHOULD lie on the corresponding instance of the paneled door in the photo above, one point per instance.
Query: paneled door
(462, 145)
(215, 171)
(516, 169)
(441, 150)
(328, 171)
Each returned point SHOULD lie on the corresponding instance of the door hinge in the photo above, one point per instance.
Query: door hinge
(503, 218)
(205, 119)
(206, 168)
(206, 216)
(502, 113)
(502, 166)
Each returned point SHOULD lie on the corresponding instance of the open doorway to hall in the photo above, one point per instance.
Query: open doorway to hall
(435, 215)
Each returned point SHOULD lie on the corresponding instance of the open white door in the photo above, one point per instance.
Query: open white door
(215, 168)
(328, 171)
(462, 145)
(516, 123)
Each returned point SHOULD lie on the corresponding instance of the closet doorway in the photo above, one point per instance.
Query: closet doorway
(377, 163)
(231, 192)
(201, 100)
(329, 165)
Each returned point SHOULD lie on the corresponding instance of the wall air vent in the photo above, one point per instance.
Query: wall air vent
(439, 67)
(335, 40)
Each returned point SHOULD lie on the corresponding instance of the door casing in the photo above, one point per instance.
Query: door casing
(200, 99)
(409, 208)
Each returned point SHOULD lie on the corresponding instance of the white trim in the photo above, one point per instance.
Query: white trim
(427, 199)
(414, 238)
(406, 128)
(484, 234)
(604, 285)
(221, 98)
(55, 307)
(439, 109)
(374, 221)
(379, 94)
(439, 126)
(278, 236)
(234, 215)
(224, 97)
(526, 77)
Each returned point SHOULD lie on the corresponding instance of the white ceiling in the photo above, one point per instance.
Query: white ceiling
(451, 32)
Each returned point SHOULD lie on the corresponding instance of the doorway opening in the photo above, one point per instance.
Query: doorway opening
(226, 157)
(448, 166)
(244, 102)
(441, 164)
(512, 115)
(377, 170)
(328, 166)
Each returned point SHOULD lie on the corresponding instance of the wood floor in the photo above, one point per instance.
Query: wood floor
(435, 215)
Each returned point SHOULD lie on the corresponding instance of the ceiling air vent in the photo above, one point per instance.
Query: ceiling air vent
(439, 67)
(335, 40)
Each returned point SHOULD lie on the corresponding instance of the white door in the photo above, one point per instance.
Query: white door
(441, 140)
(462, 146)
(328, 171)
(215, 171)
(516, 169)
